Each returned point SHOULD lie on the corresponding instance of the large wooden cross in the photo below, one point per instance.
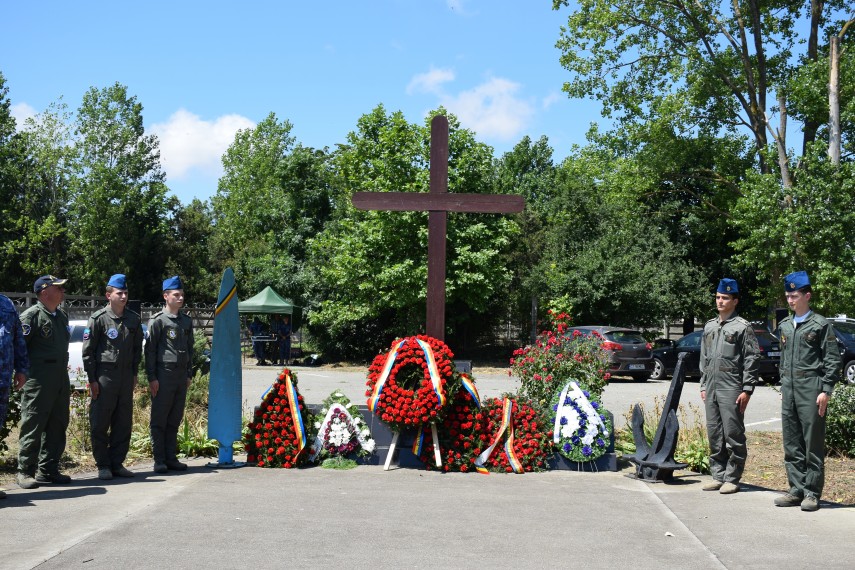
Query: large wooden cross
(438, 202)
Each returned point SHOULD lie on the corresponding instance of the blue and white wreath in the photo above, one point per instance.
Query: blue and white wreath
(581, 429)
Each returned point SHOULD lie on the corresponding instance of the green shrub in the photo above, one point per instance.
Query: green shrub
(13, 416)
(840, 421)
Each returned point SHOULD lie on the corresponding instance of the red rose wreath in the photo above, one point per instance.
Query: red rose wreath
(409, 386)
(278, 432)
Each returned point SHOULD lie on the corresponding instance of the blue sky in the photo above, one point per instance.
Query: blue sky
(202, 70)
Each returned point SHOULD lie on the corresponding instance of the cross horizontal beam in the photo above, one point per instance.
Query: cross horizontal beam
(418, 202)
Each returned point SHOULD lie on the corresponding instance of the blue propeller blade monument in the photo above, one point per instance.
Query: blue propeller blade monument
(224, 387)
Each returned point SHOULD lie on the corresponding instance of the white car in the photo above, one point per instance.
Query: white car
(76, 374)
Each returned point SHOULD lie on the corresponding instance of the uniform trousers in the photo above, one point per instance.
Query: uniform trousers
(726, 433)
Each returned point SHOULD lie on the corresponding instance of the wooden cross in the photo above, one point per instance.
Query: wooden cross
(438, 202)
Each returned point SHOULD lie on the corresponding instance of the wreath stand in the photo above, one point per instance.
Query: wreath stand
(391, 453)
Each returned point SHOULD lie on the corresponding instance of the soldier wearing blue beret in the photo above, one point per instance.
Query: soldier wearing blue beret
(168, 365)
(729, 361)
(810, 366)
(112, 351)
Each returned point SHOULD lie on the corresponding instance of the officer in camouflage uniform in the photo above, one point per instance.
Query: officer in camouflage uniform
(810, 366)
(13, 357)
(168, 359)
(45, 396)
(112, 351)
(729, 362)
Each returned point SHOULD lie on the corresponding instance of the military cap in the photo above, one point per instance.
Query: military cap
(118, 281)
(46, 281)
(796, 280)
(173, 282)
(728, 287)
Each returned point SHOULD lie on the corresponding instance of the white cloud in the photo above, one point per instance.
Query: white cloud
(189, 143)
(430, 82)
(21, 112)
(491, 109)
(551, 99)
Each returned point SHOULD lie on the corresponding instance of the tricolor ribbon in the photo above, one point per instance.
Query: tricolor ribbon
(435, 378)
(419, 441)
(221, 304)
(387, 368)
(507, 425)
(296, 416)
(469, 385)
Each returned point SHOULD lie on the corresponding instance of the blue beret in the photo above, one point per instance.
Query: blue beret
(796, 280)
(46, 281)
(172, 283)
(728, 287)
(118, 281)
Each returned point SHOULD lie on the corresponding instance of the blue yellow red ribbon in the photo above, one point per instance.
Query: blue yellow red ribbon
(221, 304)
(387, 368)
(296, 416)
(469, 385)
(507, 425)
(419, 442)
(435, 378)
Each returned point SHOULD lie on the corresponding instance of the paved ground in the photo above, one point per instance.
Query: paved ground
(368, 518)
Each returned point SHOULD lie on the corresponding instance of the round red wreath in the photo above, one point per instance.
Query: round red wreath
(408, 399)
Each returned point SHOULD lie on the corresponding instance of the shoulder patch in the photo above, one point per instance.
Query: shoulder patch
(26, 328)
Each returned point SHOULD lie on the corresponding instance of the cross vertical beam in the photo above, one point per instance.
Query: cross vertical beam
(437, 227)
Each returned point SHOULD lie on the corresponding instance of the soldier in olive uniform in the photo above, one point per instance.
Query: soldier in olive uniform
(168, 358)
(810, 366)
(112, 351)
(45, 396)
(729, 361)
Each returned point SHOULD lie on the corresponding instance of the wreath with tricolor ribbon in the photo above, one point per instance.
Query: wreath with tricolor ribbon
(277, 435)
(409, 386)
(459, 434)
(519, 437)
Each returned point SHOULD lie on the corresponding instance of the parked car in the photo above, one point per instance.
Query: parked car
(844, 330)
(629, 352)
(665, 358)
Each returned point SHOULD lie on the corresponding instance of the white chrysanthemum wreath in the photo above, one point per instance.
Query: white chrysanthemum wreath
(343, 432)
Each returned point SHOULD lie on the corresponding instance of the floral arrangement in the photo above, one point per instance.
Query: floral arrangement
(581, 430)
(342, 432)
(459, 438)
(276, 436)
(409, 385)
(528, 429)
(556, 356)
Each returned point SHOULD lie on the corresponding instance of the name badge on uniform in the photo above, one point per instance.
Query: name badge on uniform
(46, 330)
(811, 336)
(112, 334)
(730, 337)
(171, 334)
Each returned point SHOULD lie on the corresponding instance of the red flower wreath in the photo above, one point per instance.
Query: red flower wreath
(408, 398)
(459, 439)
(272, 440)
(532, 435)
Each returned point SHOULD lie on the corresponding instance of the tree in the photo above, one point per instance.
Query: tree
(371, 267)
(192, 253)
(119, 214)
(271, 199)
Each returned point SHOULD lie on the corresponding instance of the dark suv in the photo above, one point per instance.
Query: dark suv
(844, 330)
(629, 352)
(665, 357)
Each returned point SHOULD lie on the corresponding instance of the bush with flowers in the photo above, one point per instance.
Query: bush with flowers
(581, 429)
(409, 385)
(557, 357)
(341, 432)
(277, 436)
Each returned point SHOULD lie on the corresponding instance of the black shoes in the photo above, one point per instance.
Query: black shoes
(59, 478)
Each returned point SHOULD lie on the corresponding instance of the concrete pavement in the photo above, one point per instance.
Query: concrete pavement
(368, 518)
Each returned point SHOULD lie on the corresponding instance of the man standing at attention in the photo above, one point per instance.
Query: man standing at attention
(13, 357)
(810, 366)
(729, 361)
(112, 351)
(45, 396)
(168, 358)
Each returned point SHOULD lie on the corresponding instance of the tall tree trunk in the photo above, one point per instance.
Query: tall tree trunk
(834, 100)
(811, 125)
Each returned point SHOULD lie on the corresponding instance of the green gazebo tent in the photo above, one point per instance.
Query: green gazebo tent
(269, 302)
